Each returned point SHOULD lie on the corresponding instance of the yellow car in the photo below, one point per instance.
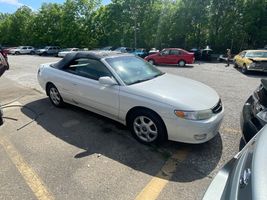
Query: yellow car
(251, 60)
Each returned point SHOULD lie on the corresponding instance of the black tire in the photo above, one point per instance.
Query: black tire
(151, 61)
(54, 96)
(181, 63)
(17, 53)
(32, 52)
(45, 54)
(157, 126)
(235, 64)
(244, 69)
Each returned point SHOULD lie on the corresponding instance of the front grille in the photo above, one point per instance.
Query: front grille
(217, 108)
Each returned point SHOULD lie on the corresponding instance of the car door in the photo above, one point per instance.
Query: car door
(175, 56)
(163, 57)
(86, 90)
(23, 50)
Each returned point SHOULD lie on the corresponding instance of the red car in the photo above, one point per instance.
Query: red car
(172, 56)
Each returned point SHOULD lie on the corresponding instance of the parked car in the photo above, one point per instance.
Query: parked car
(174, 56)
(108, 48)
(48, 50)
(205, 54)
(64, 52)
(251, 60)
(197, 53)
(133, 92)
(22, 50)
(140, 52)
(153, 51)
(3, 67)
(223, 58)
(244, 177)
(254, 113)
(124, 50)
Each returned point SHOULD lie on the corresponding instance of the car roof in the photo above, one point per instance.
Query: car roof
(174, 49)
(258, 50)
(97, 55)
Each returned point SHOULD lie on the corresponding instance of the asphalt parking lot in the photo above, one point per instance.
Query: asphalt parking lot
(70, 153)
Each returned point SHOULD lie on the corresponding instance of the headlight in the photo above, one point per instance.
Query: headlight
(194, 115)
(252, 65)
(263, 115)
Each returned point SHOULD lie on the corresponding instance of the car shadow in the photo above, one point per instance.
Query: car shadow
(253, 74)
(94, 134)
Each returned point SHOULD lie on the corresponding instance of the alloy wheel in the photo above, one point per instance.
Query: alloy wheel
(145, 129)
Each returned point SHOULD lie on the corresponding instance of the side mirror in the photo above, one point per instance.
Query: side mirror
(106, 80)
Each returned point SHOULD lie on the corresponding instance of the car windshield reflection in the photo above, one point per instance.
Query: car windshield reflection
(133, 70)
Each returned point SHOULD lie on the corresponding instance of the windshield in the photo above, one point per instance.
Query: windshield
(133, 70)
(258, 54)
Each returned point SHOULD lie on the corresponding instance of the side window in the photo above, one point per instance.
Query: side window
(165, 52)
(24, 47)
(242, 54)
(174, 52)
(88, 68)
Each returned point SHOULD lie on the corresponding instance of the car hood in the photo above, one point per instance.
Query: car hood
(258, 59)
(179, 92)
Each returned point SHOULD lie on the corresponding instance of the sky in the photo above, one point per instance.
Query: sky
(10, 6)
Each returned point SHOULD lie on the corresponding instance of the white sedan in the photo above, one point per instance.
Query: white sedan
(154, 105)
(64, 52)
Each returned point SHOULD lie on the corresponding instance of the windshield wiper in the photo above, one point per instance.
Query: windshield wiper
(139, 81)
(147, 79)
(158, 75)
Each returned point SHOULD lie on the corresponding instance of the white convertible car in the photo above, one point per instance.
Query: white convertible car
(154, 105)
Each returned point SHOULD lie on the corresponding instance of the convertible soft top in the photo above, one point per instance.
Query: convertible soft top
(97, 55)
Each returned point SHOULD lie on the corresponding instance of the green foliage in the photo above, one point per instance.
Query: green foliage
(237, 24)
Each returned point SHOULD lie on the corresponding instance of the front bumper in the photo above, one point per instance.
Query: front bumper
(182, 130)
(249, 123)
(259, 68)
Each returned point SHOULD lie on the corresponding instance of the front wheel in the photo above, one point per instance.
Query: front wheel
(244, 69)
(55, 96)
(152, 62)
(147, 127)
(235, 64)
(181, 63)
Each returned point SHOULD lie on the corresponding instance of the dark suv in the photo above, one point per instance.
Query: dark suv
(254, 114)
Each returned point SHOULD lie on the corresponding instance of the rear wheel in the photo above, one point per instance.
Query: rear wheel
(17, 53)
(181, 63)
(54, 96)
(32, 52)
(147, 127)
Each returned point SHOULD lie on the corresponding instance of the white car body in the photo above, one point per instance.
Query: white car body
(64, 53)
(163, 95)
(22, 50)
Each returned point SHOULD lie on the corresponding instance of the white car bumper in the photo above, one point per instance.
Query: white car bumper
(189, 131)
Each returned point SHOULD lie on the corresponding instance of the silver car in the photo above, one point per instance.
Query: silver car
(154, 105)
(22, 50)
(245, 176)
